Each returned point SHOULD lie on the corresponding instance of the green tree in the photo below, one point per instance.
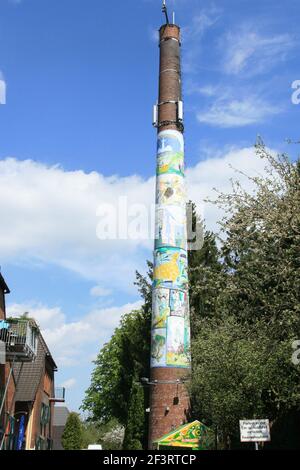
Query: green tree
(205, 273)
(261, 250)
(72, 438)
(135, 419)
(109, 435)
(90, 434)
(245, 305)
(242, 364)
(122, 362)
(239, 372)
(124, 359)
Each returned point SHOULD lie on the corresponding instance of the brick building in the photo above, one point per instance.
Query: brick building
(35, 397)
(5, 367)
(27, 382)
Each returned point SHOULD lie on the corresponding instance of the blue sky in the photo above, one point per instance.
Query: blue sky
(75, 132)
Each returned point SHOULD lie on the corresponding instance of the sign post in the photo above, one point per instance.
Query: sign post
(255, 430)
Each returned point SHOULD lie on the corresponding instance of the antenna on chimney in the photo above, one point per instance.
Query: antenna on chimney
(165, 11)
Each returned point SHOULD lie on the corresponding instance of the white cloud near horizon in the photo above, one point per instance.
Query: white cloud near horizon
(48, 215)
(70, 342)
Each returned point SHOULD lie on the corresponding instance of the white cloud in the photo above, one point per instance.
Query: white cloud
(200, 23)
(34, 204)
(69, 383)
(217, 172)
(71, 342)
(206, 90)
(153, 35)
(205, 19)
(49, 216)
(245, 52)
(99, 291)
(238, 113)
(2, 89)
(250, 52)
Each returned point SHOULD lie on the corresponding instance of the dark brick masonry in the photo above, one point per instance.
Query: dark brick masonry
(169, 76)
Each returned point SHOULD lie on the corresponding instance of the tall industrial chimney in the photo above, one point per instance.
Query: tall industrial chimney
(170, 345)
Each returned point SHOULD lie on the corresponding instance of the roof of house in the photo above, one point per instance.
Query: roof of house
(47, 352)
(60, 416)
(3, 285)
(28, 375)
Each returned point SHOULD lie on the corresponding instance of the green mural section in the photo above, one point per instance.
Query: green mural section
(170, 163)
(195, 436)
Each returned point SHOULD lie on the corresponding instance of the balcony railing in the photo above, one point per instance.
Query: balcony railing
(20, 338)
(59, 394)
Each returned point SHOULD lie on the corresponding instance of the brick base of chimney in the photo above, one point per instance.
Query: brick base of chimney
(169, 402)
